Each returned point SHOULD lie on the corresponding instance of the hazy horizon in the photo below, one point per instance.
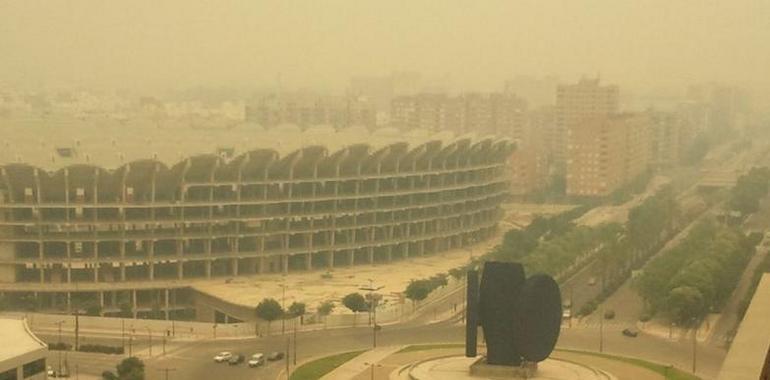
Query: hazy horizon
(149, 45)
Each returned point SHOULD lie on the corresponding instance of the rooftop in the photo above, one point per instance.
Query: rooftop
(57, 142)
(17, 338)
(751, 346)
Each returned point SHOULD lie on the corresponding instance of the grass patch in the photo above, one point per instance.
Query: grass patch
(317, 368)
(673, 373)
(424, 347)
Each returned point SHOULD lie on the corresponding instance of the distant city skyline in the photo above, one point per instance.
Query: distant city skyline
(306, 44)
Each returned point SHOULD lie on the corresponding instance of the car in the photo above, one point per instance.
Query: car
(566, 314)
(236, 359)
(276, 355)
(256, 360)
(223, 356)
(50, 372)
(631, 333)
(592, 281)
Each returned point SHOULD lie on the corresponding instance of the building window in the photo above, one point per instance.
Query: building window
(9, 375)
(33, 368)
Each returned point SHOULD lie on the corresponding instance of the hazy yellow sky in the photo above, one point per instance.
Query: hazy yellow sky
(322, 43)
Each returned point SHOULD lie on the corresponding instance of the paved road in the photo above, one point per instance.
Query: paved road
(193, 360)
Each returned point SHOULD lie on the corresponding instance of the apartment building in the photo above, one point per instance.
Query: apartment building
(606, 152)
(308, 110)
(500, 114)
(577, 102)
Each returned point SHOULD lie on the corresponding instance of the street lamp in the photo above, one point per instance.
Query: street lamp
(371, 288)
(694, 343)
(283, 307)
(601, 330)
(166, 371)
(149, 336)
(60, 344)
(372, 365)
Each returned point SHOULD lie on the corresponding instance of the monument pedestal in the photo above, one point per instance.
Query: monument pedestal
(461, 368)
(481, 369)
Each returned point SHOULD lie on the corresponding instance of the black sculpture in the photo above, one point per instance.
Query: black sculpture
(520, 317)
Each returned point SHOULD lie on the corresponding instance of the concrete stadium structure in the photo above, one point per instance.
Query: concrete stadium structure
(137, 236)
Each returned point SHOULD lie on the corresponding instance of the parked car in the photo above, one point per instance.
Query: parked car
(223, 356)
(592, 281)
(631, 333)
(256, 360)
(276, 355)
(236, 359)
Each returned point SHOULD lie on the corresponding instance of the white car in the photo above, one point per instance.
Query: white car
(256, 360)
(223, 356)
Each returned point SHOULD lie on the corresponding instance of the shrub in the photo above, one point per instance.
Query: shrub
(609, 314)
(101, 349)
(587, 308)
(59, 346)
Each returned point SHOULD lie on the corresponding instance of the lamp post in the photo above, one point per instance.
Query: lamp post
(149, 337)
(166, 371)
(694, 343)
(283, 307)
(60, 344)
(372, 365)
(371, 288)
(601, 331)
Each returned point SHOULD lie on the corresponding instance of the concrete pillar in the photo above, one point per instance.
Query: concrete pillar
(371, 255)
(309, 262)
(285, 264)
(133, 303)
(330, 262)
(69, 302)
(261, 265)
(180, 270)
(165, 309)
(208, 269)
(235, 267)
(351, 257)
(101, 304)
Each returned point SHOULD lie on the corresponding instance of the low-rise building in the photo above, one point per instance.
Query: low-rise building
(22, 354)
(749, 355)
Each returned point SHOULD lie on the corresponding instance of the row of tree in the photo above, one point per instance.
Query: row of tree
(418, 290)
(749, 190)
(270, 310)
(697, 276)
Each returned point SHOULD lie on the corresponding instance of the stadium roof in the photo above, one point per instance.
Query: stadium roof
(54, 144)
(749, 350)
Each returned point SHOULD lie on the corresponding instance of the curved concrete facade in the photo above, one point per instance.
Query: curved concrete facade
(146, 225)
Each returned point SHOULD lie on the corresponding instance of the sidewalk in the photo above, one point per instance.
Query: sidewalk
(361, 363)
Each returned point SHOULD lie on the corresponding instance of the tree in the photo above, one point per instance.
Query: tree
(297, 309)
(129, 369)
(685, 303)
(356, 303)
(269, 310)
(324, 309)
(418, 290)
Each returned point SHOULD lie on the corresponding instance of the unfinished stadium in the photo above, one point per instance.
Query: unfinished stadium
(135, 236)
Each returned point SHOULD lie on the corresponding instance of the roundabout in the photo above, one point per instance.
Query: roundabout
(457, 368)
